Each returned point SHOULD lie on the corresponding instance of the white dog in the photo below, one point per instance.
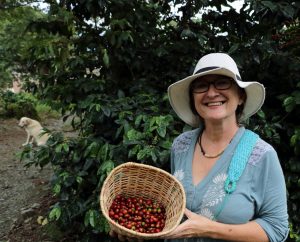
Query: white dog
(35, 131)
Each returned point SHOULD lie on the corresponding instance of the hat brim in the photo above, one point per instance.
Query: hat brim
(178, 93)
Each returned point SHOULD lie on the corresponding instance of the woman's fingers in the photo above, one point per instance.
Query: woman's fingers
(188, 213)
(121, 237)
(185, 229)
(112, 234)
(179, 231)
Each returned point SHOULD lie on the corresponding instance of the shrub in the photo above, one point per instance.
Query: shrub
(25, 104)
(44, 111)
(17, 106)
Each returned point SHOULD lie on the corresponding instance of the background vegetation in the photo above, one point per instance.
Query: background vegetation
(109, 63)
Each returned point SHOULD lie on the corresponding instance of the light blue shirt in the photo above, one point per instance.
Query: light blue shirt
(260, 194)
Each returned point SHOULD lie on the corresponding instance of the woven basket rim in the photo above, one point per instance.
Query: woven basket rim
(132, 232)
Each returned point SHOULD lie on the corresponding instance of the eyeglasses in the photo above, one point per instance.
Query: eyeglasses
(199, 86)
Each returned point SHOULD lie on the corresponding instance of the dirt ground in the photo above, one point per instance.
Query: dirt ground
(24, 192)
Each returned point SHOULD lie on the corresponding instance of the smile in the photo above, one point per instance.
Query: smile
(215, 104)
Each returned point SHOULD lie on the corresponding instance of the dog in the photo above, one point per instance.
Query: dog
(35, 132)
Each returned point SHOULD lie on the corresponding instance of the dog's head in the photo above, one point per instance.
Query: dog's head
(24, 121)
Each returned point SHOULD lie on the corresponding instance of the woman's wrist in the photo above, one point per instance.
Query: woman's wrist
(211, 230)
(205, 228)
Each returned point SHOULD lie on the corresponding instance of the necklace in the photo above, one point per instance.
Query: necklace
(204, 153)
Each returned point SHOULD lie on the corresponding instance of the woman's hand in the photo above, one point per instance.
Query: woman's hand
(195, 226)
(199, 226)
(124, 238)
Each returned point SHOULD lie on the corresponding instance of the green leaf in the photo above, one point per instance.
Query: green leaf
(261, 114)
(87, 218)
(65, 147)
(165, 144)
(87, 164)
(57, 189)
(98, 107)
(106, 58)
(79, 179)
(153, 155)
(138, 120)
(287, 10)
(106, 110)
(142, 154)
(153, 122)
(132, 152)
(233, 48)
(270, 5)
(103, 154)
(91, 150)
(134, 135)
(92, 218)
(173, 24)
(58, 148)
(289, 104)
(162, 130)
(296, 95)
(106, 167)
(55, 213)
(293, 140)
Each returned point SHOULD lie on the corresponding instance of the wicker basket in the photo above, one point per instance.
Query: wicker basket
(133, 179)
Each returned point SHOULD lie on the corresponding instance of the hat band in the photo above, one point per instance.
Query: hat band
(206, 69)
(213, 68)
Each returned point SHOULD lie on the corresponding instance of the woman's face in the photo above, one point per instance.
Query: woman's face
(216, 97)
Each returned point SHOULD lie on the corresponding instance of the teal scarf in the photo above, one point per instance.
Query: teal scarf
(237, 165)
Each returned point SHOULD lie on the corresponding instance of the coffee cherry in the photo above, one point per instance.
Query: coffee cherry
(138, 214)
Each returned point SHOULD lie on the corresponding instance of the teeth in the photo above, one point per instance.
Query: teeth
(215, 104)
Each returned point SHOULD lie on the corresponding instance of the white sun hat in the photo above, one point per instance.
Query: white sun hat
(218, 64)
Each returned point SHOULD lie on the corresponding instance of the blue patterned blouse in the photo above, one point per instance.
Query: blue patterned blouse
(260, 193)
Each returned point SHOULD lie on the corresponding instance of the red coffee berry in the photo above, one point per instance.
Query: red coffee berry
(138, 214)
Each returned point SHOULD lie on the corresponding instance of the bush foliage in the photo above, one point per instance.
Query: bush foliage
(24, 104)
(17, 105)
(110, 62)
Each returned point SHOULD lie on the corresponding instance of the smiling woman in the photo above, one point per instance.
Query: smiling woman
(234, 184)
(214, 64)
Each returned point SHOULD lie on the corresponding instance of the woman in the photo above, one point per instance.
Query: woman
(233, 180)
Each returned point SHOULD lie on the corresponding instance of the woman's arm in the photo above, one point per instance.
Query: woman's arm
(199, 226)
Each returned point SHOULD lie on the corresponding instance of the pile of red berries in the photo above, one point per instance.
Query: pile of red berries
(138, 214)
